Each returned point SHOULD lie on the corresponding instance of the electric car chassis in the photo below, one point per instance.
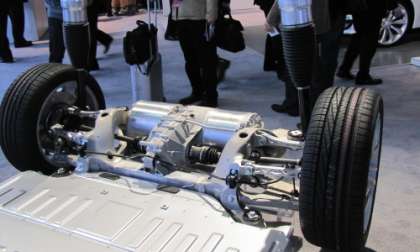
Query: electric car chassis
(166, 177)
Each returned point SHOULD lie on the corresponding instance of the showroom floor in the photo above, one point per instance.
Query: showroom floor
(396, 220)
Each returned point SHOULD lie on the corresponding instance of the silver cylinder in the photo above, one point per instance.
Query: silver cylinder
(295, 12)
(146, 115)
(74, 11)
(221, 125)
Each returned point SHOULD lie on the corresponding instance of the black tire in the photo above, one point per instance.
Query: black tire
(20, 108)
(335, 168)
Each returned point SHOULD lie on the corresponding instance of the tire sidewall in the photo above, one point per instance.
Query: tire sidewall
(379, 112)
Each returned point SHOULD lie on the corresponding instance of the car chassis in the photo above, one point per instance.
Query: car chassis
(142, 178)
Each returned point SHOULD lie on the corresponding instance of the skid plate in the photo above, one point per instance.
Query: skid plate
(75, 213)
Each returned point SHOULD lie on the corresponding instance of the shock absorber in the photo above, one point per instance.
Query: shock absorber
(77, 41)
(298, 35)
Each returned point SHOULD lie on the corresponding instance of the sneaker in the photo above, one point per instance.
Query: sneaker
(190, 99)
(345, 75)
(368, 80)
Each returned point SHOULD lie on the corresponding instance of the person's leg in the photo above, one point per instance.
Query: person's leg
(57, 49)
(116, 6)
(353, 50)
(326, 62)
(209, 60)
(17, 17)
(93, 26)
(105, 39)
(206, 53)
(290, 104)
(5, 52)
(369, 40)
(192, 66)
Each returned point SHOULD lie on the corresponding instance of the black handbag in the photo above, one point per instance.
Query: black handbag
(229, 35)
(171, 32)
(140, 44)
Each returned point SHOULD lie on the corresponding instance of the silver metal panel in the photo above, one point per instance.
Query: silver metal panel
(39, 213)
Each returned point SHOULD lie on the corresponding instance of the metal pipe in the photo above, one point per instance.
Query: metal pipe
(219, 191)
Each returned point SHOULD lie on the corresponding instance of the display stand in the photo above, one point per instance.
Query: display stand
(146, 79)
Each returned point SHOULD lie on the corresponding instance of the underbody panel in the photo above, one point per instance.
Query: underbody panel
(91, 213)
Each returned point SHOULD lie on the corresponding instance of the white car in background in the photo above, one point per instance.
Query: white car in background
(397, 24)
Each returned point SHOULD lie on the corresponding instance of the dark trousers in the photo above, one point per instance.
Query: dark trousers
(4, 42)
(93, 27)
(103, 37)
(326, 62)
(57, 49)
(200, 57)
(17, 17)
(364, 43)
(276, 48)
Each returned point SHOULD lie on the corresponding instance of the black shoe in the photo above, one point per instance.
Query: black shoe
(212, 103)
(23, 43)
(290, 110)
(190, 99)
(93, 67)
(279, 108)
(222, 66)
(7, 57)
(108, 45)
(368, 80)
(345, 75)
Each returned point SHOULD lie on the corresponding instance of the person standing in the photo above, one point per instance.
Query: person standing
(5, 52)
(17, 16)
(195, 19)
(367, 23)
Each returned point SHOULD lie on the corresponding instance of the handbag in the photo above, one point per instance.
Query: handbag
(140, 44)
(229, 35)
(171, 33)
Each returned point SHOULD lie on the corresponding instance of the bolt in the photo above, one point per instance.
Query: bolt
(252, 216)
